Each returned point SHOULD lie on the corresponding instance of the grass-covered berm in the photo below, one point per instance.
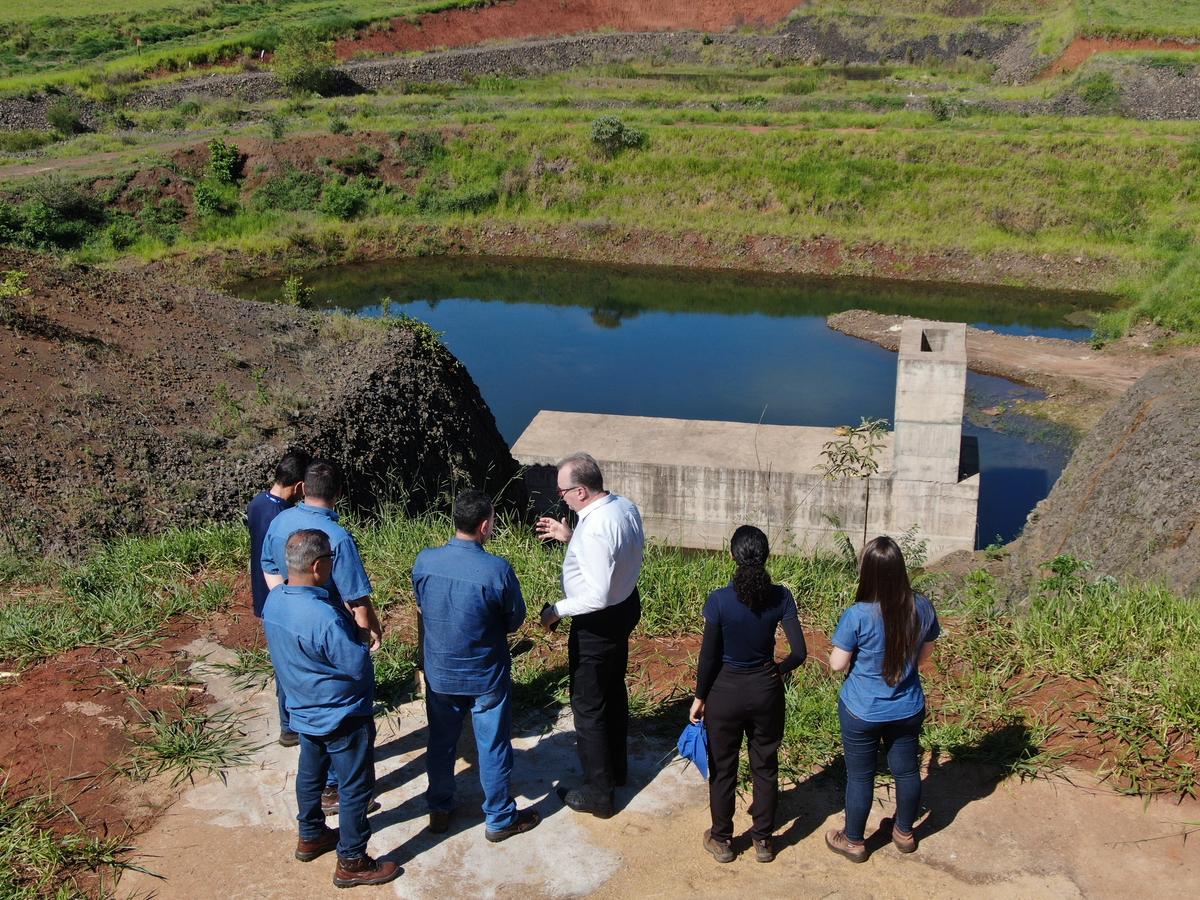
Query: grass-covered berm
(1092, 673)
(796, 168)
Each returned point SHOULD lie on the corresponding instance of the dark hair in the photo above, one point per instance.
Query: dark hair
(291, 467)
(322, 481)
(883, 579)
(751, 581)
(303, 547)
(471, 509)
(584, 471)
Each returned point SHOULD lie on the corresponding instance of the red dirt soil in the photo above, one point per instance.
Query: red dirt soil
(545, 18)
(1083, 49)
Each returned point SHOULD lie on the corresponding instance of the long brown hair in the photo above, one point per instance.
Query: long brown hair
(883, 579)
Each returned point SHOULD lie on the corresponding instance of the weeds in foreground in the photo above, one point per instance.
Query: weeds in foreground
(43, 848)
(186, 743)
(251, 669)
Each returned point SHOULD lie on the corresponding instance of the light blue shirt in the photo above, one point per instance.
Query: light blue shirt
(350, 581)
(325, 670)
(865, 692)
(470, 601)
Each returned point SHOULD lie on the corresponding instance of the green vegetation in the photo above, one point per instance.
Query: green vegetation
(303, 62)
(185, 743)
(43, 848)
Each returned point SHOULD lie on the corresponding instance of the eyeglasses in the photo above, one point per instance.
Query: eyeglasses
(323, 556)
(562, 491)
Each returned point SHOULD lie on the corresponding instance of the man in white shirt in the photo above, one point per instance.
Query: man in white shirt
(600, 573)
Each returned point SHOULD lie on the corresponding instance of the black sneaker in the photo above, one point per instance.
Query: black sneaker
(288, 739)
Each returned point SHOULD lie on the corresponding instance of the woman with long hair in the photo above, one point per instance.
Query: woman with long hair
(739, 690)
(880, 643)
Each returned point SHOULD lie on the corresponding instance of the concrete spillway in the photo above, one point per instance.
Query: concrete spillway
(696, 481)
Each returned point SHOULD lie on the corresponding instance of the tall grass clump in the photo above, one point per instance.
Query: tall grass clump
(125, 591)
(41, 851)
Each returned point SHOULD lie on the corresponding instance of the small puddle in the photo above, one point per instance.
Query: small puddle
(697, 344)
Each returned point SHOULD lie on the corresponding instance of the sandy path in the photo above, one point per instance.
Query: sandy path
(1033, 839)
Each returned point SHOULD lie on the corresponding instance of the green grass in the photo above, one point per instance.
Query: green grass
(123, 593)
(250, 670)
(185, 743)
(44, 849)
(1139, 18)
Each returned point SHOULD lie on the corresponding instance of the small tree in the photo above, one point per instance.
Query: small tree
(224, 162)
(612, 135)
(303, 62)
(852, 455)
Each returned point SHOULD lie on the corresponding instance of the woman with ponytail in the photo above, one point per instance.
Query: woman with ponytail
(739, 690)
(880, 643)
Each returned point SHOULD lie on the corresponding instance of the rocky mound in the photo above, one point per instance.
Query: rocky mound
(1129, 500)
(132, 404)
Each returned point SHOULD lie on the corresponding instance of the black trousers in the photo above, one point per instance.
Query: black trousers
(597, 657)
(744, 702)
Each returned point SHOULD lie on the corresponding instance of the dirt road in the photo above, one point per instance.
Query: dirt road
(982, 839)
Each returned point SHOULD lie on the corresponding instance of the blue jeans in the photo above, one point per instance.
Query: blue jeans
(491, 719)
(902, 744)
(285, 724)
(350, 752)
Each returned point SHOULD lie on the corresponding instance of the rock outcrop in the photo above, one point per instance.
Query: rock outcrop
(1129, 500)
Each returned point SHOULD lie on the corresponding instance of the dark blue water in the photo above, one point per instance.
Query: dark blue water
(590, 339)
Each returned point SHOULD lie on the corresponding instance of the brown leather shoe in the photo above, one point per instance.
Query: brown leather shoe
(905, 843)
(364, 870)
(840, 844)
(764, 850)
(307, 851)
(722, 851)
(526, 820)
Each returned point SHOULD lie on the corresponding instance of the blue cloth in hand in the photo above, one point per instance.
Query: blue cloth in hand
(693, 745)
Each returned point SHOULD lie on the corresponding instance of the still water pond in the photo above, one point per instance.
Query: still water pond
(542, 334)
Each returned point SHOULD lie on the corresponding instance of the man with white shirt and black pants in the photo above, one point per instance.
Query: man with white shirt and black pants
(600, 573)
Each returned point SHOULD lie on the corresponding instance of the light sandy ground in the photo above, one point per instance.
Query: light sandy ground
(1013, 840)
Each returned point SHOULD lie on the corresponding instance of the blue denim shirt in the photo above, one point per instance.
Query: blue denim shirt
(470, 601)
(865, 692)
(350, 581)
(325, 670)
(260, 513)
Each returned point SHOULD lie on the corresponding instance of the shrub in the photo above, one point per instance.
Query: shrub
(612, 135)
(345, 199)
(419, 147)
(26, 139)
(294, 190)
(363, 161)
(123, 232)
(224, 162)
(1098, 89)
(63, 117)
(12, 286)
(296, 293)
(337, 125)
(276, 125)
(304, 62)
(214, 199)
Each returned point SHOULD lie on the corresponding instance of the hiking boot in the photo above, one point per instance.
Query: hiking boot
(439, 821)
(364, 870)
(581, 802)
(722, 851)
(764, 850)
(526, 820)
(331, 802)
(288, 739)
(839, 843)
(905, 843)
(308, 850)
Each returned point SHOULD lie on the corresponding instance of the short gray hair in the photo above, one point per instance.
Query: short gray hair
(584, 470)
(304, 547)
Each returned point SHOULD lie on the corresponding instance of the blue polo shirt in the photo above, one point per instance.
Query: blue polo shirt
(260, 513)
(470, 601)
(865, 692)
(325, 670)
(350, 581)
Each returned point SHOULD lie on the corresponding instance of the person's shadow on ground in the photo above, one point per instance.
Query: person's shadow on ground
(972, 773)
